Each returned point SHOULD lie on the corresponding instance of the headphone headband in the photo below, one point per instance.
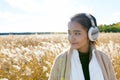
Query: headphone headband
(91, 19)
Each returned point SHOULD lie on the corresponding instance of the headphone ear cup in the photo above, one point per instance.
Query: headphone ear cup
(93, 33)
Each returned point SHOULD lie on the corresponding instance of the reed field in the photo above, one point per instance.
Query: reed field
(30, 57)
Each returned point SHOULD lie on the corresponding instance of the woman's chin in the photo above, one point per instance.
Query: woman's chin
(74, 47)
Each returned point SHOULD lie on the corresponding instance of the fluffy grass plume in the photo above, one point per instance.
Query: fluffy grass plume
(30, 57)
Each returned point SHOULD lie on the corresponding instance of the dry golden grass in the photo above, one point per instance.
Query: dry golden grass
(30, 57)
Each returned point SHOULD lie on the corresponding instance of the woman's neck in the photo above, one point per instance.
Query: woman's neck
(84, 49)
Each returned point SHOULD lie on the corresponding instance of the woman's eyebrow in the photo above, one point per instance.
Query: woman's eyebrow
(76, 31)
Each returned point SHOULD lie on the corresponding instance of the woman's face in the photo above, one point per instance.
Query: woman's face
(77, 36)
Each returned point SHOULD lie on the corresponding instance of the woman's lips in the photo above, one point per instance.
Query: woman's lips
(74, 43)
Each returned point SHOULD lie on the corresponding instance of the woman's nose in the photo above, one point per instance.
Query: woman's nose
(71, 37)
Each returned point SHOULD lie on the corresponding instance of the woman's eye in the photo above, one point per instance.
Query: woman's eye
(77, 33)
(69, 33)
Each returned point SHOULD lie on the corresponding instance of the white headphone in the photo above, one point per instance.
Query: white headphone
(93, 31)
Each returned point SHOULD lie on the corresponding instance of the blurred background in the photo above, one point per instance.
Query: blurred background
(34, 32)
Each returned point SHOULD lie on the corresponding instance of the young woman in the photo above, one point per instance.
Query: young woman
(82, 61)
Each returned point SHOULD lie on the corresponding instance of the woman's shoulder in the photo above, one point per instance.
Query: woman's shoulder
(61, 55)
(102, 54)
